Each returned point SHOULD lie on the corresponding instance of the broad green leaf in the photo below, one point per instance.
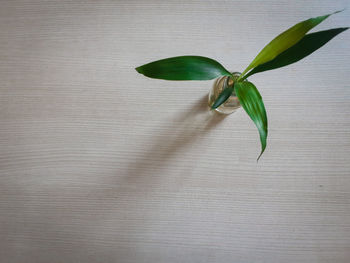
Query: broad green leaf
(308, 44)
(285, 40)
(252, 103)
(184, 68)
(224, 95)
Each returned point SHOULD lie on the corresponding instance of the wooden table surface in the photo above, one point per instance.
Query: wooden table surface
(100, 164)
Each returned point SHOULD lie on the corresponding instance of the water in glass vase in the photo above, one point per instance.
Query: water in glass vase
(232, 103)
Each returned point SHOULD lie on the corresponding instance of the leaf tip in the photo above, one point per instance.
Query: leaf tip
(336, 12)
(213, 106)
(262, 151)
(139, 70)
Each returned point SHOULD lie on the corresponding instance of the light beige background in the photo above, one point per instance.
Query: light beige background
(100, 164)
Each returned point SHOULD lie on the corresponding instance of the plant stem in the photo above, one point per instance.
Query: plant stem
(240, 77)
(246, 76)
(243, 77)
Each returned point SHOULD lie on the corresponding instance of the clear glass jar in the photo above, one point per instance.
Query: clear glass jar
(232, 103)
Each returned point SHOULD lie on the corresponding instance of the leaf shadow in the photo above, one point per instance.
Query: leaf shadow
(125, 196)
(185, 130)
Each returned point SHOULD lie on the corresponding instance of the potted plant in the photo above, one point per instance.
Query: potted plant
(288, 47)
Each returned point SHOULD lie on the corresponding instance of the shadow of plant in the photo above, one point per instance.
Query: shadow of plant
(185, 130)
(128, 200)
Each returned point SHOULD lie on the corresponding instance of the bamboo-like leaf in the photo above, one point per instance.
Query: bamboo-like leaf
(224, 95)
(285, 40)
(307, 45)
(252, 103)
(184, 68)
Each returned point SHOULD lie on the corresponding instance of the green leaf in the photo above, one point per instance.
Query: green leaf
(308, 44)
(184, 68)
(285, 40)
(224, 95)
(252, 103)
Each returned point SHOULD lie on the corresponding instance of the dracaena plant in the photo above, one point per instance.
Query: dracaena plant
(288, 47)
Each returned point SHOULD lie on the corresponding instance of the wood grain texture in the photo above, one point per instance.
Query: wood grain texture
(100, 164)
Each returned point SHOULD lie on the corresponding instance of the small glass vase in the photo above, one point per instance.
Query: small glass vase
(232, 103)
